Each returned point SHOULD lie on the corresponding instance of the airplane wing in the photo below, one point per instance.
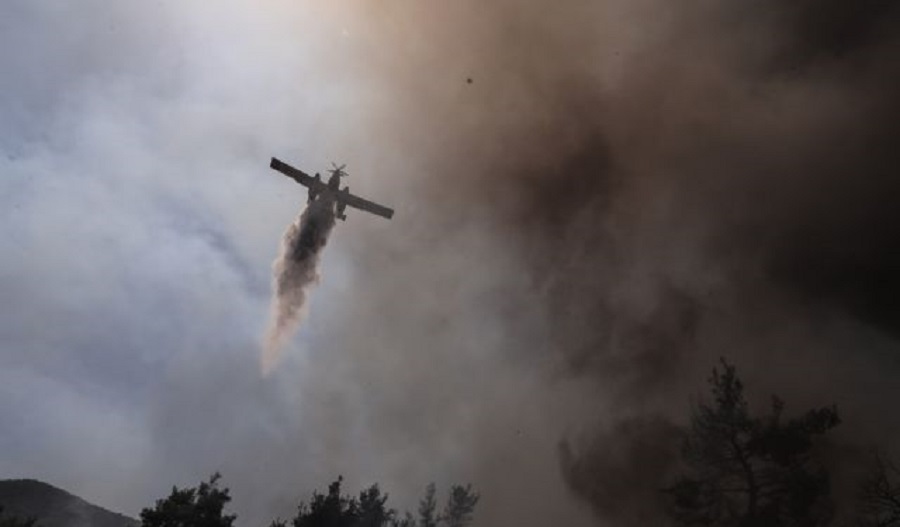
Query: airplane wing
(297, 175)
(366, 205)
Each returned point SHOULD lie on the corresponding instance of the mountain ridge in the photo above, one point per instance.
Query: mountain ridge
(55, 507)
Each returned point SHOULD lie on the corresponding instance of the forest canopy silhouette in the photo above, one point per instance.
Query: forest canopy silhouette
(736, 467)
(204, 506)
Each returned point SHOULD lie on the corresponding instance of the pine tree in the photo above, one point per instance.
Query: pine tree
(428, 508)
(372, 510)
(747, 471)
(202, 506)
(328, 510)
(880, 494)
(460, 508)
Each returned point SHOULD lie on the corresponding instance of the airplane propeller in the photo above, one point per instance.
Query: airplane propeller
(338, 169)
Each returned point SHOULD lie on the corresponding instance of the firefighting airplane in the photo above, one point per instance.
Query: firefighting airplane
(331, 190)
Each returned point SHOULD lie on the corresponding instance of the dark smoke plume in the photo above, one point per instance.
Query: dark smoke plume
(645, 187)
(294, 271)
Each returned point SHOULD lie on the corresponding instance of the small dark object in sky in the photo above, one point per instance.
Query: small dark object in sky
(469, 80)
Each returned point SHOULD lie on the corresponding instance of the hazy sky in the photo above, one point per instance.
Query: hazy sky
(624, 192)
(140, 221)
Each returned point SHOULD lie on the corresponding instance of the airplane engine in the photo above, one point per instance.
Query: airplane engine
(341, 205)
(313, 194)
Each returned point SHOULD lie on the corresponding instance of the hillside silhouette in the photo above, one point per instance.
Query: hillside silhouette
(54, 507)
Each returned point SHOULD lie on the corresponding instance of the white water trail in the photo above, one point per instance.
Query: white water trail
(293, 272)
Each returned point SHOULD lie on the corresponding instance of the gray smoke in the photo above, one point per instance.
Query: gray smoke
(625, 192)
(294, 271)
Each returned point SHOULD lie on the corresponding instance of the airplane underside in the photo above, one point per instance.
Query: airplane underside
(339, 198)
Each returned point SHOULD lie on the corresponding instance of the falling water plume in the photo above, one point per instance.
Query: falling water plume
(294, 271)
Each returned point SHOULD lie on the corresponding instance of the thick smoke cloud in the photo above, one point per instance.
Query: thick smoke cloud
(294, 272)
(668, 184)
(633, 459)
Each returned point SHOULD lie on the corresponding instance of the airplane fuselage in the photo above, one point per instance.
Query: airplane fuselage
(332, 194)
(333, 186)
(334, 182)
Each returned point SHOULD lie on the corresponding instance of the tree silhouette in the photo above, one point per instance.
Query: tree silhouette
(337, 510)
(880, 494)
(428, 508)
(370, 509)
(202, 506)
(746, 471)
(328, 510)
(460, 508)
